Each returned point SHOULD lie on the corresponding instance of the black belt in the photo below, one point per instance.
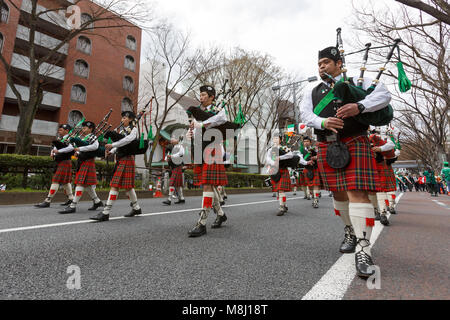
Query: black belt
(322, 137)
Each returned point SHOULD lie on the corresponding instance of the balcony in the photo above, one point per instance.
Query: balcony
(45, 128)
(41, 39)
(51, 71)
(51, 21)
(51, 101)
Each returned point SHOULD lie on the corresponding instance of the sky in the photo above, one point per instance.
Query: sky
(291, 31)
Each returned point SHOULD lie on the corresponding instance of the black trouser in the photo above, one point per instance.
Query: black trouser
(416, 186)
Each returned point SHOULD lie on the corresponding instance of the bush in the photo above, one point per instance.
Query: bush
(236, 179)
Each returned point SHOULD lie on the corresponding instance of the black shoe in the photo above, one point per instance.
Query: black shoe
(392, 210)
(309, 198)
(68, 210)
(167, 202)
(384, 220)
(134, 213)
(315, 204)
(305, 197)
(222, 203)
(197, 231)
(282, 211)
(100, 217)
(377, 215)
(219, 221)
(180, 201)
(294, 194)
(349, 243)
(42, 205)
(225, 198)
(96, 206)
(66, 204)
(363, 262)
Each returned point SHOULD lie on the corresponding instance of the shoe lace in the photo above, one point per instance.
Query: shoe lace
(361, 256)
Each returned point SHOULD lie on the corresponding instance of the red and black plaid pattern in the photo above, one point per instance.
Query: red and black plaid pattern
(123, 177)
(314, 182)
(176, 177)
(284, 184)
(301, 179)
(360, 175)
(211, 174)
(389, 175)
(63, 174)
(87, 174)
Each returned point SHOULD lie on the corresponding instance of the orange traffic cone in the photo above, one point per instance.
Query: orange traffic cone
(158, 193)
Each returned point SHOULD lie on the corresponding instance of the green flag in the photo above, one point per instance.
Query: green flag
(150, 133)
(404, 84)
(141, 143)
(109, 140)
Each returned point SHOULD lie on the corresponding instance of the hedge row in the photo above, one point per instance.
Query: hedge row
(24, 171)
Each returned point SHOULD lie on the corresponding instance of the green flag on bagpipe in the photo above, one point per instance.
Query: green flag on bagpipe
(100, 139)
(150, 133)
(141, 142)
(404, 84)
(240, 118)
(397, 143)
(109, 140)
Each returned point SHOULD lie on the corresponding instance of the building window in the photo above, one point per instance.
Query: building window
(131, 43)
(1, 42)
(84, 45)
(81, 69)
(4, 12)
(78, 94)
(128, 84)
(127, 105)
(129, 63)
(75, 117)
(85, 18)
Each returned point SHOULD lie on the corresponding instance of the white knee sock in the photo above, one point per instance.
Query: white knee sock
(53, 190)
(171, 192)
(373, 200)
(341, 209)
(282, 198)
(363, 220)
(112, 197)
(208, 198)
(381, 197)
(216, 203)
(78, 194)
(91, 191)
(68, 191)
(180, 193)
(133, 198)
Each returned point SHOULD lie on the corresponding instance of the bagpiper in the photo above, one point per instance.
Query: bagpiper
(63, 173)
(124, 172)
(210, 172)
(354, 174)
(175, 160)
(311, 171)
(86, 177)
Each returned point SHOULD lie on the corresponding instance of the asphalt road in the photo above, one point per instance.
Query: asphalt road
(255, 255)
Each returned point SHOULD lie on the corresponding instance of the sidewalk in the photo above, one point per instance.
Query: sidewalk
(413, 252)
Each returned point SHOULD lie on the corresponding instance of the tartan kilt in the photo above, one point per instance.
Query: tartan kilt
(391, 184)
(86, 175)
(63, 173)
(301, 179)
(360, 175)
(314, 182)
(176, 177)
(212, 171)
(123, 177)
(285, 182)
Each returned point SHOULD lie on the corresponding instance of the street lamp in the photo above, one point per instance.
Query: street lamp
(294, 92)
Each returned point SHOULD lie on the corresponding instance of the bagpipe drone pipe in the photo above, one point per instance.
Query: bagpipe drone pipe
(58, 144)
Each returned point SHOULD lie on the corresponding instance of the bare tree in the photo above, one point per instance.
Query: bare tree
(423, 112)
(173, 68)
(440, 9)
(98, 15)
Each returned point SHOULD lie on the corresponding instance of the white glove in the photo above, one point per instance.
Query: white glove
(198, 124)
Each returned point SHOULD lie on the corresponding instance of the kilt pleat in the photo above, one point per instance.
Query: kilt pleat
(176, 177)
(315, 181)
(86, 175)
(360, 175)
(284, 184)
(124, 174)
(63, 174)
(212, 171)
(389, 174)
(301, 179)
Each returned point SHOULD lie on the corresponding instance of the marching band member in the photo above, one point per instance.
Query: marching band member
(124, 172)
(86, 177)
(350, 184)
(210, 173)
(176, 175)
(63, 173)
(311, 171)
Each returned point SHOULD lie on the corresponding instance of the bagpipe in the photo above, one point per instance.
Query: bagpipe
(59, 144)
(345, 91)
(278, 151)
(137, 146)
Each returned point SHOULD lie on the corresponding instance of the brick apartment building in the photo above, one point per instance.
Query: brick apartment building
(96, 71)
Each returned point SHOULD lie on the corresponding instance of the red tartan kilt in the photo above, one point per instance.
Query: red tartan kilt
(63, 174)
(210, 174)
(314, 182)
(284, 184)
(176, 177)
(391, 184)
(87, 174)
(360, 175)
(301, 180)
(123, 177)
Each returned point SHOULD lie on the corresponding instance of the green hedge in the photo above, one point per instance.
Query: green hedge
(237, 179)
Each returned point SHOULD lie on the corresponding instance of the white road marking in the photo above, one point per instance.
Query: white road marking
(42, 226)
(334, 284)
(441, 204)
